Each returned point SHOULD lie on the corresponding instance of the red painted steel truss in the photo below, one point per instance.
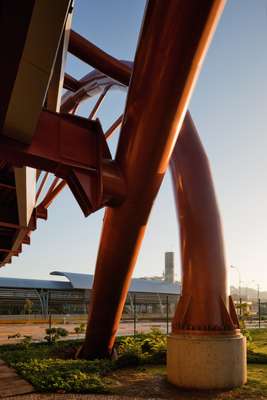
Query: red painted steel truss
(173, 42)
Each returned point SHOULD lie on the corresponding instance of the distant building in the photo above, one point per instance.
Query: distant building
(168, 275)
(169, 267)
(73, 296)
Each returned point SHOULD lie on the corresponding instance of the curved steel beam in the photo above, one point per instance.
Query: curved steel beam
(90, 85)
(98, 103)
(97, 58)
(162, 76)
(204, 304)
(116, 124)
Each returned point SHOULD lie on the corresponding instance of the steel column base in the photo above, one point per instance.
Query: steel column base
(206, 362)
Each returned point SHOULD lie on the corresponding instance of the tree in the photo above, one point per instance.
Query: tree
(28, 306)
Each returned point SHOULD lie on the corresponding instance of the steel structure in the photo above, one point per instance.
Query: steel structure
(173, 41)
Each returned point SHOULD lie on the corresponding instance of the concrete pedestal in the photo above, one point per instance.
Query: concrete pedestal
(206, 362)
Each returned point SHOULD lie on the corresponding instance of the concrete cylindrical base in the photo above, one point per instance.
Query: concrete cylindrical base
(206, 362)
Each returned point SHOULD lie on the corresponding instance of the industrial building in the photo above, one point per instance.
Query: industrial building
(148, 296)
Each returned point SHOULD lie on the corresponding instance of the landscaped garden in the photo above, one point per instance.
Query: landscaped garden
(139, 369)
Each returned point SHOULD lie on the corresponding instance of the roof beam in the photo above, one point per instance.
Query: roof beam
(35, 65)
(6, 186)
(71, 83)
(10, 252)
(54, 93)
(26, 240)
(26, 193)
(97, 58)
(4, 224)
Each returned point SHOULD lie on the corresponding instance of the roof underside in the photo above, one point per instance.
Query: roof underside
(29, 58)
(17, 283)
(84, 281)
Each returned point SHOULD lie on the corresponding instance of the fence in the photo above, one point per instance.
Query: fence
(141, 314)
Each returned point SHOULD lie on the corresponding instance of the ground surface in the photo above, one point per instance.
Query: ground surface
(149, 382)
(11, 383)
(71, 397)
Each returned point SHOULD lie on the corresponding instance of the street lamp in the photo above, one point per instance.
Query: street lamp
(258, 288)
(239, 279)
(259, 303)
(239, 284)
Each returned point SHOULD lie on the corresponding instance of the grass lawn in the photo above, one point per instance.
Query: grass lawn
(259, 340)
(139, 371)
(150, 381)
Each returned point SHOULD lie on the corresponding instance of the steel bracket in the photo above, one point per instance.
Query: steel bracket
(75, 149)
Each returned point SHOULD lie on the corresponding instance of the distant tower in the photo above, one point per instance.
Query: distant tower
(169, 267)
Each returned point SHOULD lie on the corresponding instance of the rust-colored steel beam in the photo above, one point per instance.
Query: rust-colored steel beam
(21, 235)
(50, 197)
(26, 240)
(173, 42)
(204, 306)
(74, 149)
(4, 250)
(6, 186)
(114, 126)
(71, 83)
(98, 103)
(54, 183)
(11, 252)
(41, 186)
(4, 224)
(41, 213)
(97, 58)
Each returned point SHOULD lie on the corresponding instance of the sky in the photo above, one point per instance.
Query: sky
(229, 107)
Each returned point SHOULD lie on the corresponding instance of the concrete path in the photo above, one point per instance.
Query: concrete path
(11, 384)
(74, 397)
(37, 331)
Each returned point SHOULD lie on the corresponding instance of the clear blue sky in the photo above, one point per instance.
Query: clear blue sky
(229, 107)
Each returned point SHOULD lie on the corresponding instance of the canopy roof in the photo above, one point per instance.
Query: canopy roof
(85, 281)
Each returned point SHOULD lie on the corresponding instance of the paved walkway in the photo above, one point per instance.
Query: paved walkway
(37, 331)
(11, 384)
(74, 396)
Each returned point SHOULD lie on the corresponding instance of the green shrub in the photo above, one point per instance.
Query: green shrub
(26, 342)
(147, 348)
(64, 376)
(62, 332)
(80, 328)
(129, 359)
(50, 369)
(53, 334)
(15, 353)
(245, 331)
(15, 336)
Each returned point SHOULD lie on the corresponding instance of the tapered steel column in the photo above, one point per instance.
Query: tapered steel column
(205, 349)
(173, 41)
(204, 304)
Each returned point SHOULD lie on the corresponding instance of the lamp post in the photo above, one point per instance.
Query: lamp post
(259, 303)
(239, 288)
